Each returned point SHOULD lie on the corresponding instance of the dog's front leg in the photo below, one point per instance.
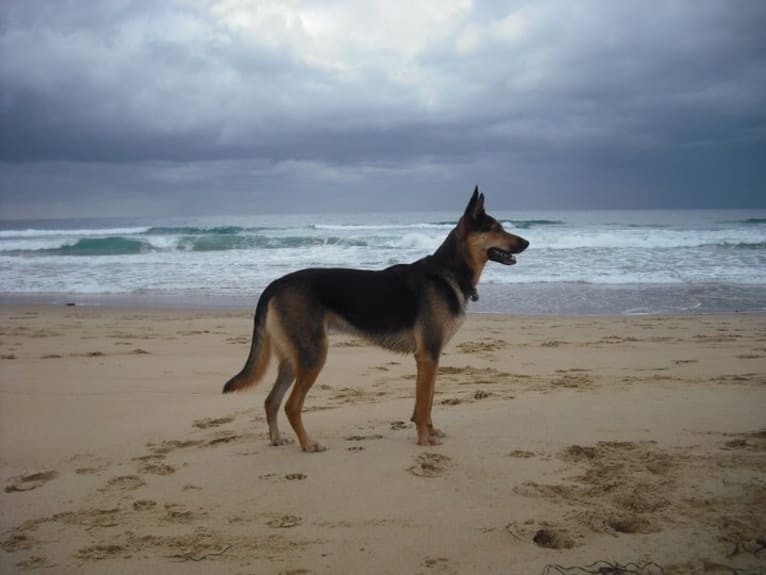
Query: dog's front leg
(424, 397)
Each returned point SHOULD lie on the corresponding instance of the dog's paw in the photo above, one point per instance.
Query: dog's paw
(429, 440)
(314, 447)
(281, 441)
(436, 432)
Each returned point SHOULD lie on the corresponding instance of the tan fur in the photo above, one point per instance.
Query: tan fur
(256, 366)
(477, 254)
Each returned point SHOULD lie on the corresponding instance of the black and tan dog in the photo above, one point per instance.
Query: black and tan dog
(408, 308)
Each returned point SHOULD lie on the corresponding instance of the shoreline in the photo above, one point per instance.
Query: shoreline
(552, 299)
(158, 306)
(570, 439)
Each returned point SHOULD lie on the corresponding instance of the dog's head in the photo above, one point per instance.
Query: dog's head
(485, 237)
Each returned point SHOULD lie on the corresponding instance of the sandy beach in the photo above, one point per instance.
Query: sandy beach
(635, 440)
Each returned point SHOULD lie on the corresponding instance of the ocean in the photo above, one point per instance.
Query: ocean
(578, 262)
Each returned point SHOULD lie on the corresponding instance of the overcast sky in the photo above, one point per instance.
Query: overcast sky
(121, 107)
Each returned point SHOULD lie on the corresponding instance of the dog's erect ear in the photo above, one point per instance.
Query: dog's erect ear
(475, 207)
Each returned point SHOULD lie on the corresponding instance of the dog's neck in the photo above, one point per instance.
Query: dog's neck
(449, 257)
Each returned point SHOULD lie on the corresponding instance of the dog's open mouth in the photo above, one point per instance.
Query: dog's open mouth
(501, 256)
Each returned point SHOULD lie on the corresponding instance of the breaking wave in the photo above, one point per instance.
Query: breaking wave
(101, 247)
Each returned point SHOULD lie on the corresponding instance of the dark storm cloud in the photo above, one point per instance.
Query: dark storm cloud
(570, 104)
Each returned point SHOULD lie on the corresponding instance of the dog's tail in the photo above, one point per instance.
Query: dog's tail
(260, 351)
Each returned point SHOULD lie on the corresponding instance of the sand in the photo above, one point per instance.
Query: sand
(639, 441)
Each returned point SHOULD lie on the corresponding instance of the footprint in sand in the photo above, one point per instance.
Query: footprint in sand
(631, 524)
(90, 470)
(553, 539)
(285, 522)
(573, 381)
(30, 482)
(156, 468)
(144, 504)
(755, 441)
(521, 453)
(430, 465)
(363, 437)
(123, 483)
(166, 447)
(178, 514)
(485, 345)
(438, 565)
(35, 562)
(552, 343)
(18, 542)
(212, 422)
(288, 477)
(99, 552)
(451, 401)
(88, 518)
(223, 439)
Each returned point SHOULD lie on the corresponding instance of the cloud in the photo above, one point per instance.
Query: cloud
(531, 92)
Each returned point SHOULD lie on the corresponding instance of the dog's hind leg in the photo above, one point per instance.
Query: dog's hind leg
(301, 337)
(284, 379)
(294, 407)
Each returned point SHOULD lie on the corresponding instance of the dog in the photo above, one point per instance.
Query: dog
(407, 308)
